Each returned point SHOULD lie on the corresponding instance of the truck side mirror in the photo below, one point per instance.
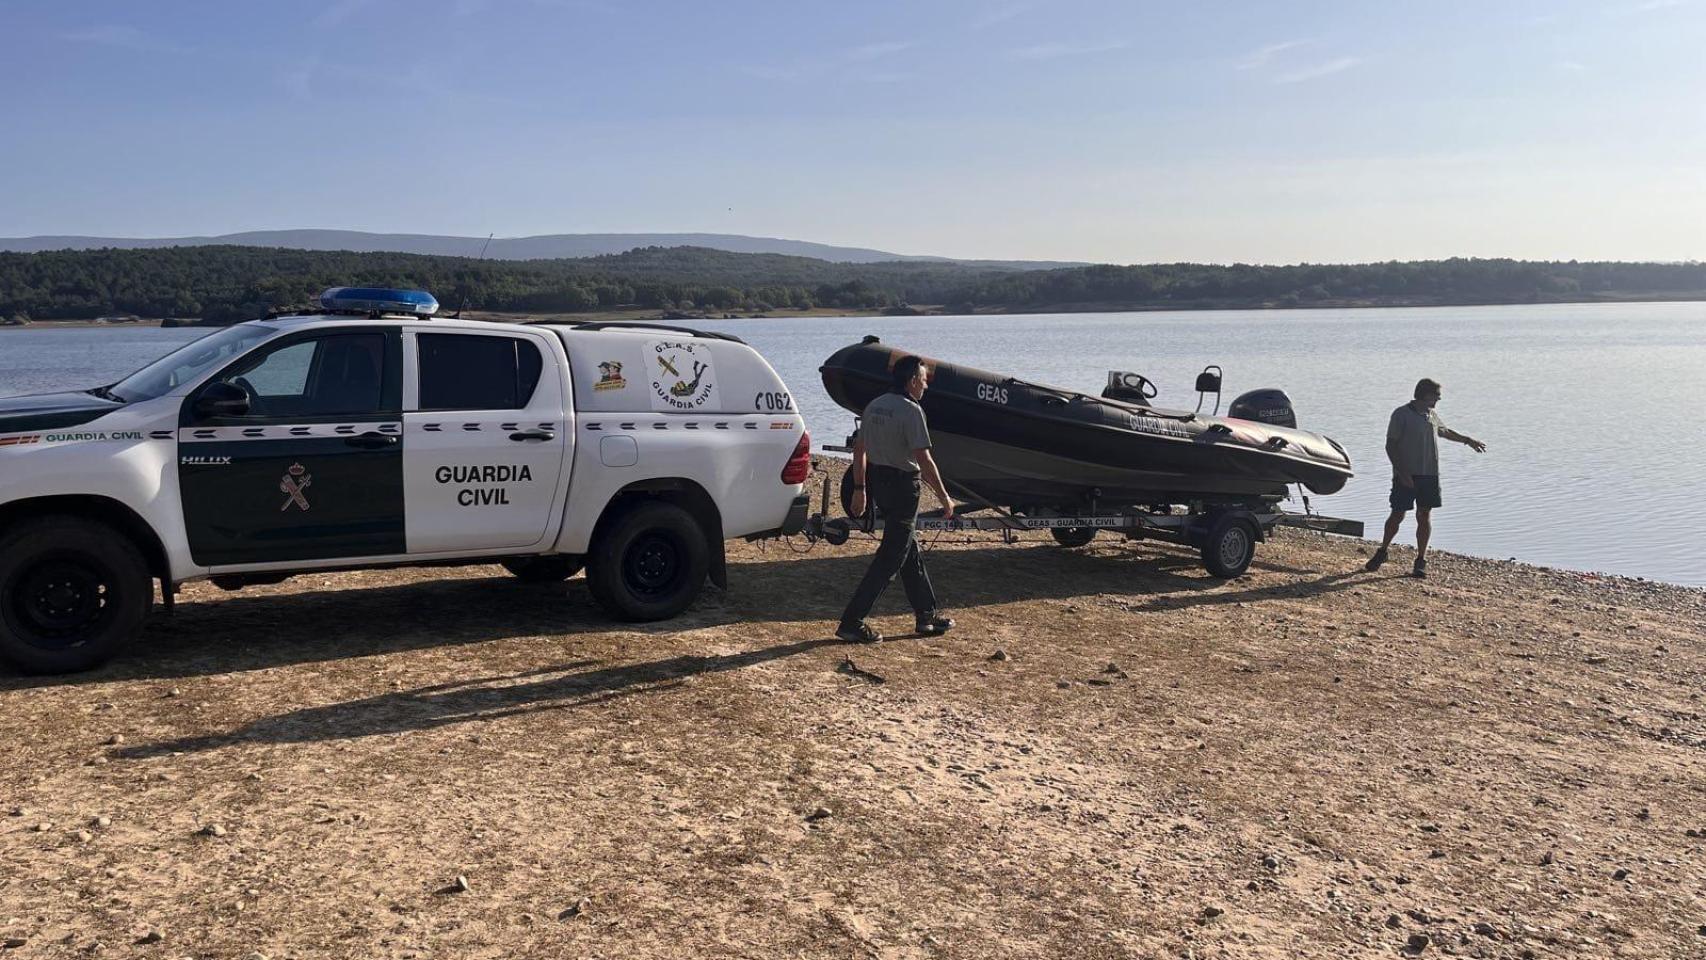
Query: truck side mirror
(221, 399)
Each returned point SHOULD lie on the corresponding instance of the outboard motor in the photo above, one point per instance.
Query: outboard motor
(1267, 405)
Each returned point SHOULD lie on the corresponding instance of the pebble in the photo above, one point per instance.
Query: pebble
(580, 909)
(1000, 656)
(821, 813)
(1547, 858)
(1063, 684)
(1620, 874)
(1211, 911)
(174, 692)
(1271, 862)
(152, 936)
(44, 826)
(84, 836)
(115, 740)
(255, 956)
(1486, 929)
(213, 830)
(20, 811)
(1418, 942)
(13, 943)
(103, 821)
(1394, 921)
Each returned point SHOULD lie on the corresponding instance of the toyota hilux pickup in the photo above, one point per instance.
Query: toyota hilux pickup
(370, 434)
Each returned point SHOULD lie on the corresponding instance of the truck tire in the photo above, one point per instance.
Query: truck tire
(552, 569)
(73, 592)
(1073, 536)
(1229, 547)
(649, 563)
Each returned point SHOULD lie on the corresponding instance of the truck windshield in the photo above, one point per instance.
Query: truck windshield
(190, 361)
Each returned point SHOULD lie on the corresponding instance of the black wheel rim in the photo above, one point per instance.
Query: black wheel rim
(59, 601)
(652, 566)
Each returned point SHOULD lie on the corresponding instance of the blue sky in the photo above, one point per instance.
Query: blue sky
(1114, 131)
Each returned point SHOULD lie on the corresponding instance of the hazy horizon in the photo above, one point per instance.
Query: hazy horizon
(1096, 131)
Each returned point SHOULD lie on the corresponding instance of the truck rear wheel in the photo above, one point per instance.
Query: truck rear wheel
(650, 563)
(552, 569)
(73, 592)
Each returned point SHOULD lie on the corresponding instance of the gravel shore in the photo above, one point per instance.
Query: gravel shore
(1112, 756)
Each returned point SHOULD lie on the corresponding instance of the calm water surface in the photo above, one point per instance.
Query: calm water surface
(1594, 414)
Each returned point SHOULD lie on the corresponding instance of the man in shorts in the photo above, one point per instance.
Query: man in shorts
(1412, 447)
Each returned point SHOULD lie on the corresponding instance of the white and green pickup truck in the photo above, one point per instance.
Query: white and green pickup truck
(370, 434)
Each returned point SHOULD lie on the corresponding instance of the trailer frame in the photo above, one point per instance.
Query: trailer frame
(1225, 532)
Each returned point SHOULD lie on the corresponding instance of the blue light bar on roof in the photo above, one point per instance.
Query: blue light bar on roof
(379, 300)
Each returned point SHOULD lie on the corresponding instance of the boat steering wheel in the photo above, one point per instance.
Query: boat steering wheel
(1142, 384)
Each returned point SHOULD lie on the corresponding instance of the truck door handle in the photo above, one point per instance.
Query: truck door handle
(526, 435)
(371, 441)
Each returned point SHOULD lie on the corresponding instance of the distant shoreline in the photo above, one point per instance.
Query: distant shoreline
(653, 315)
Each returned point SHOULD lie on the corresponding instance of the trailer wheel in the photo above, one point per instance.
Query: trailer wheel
(650, 563)
(1229, 547)
(72, 593)
(1073, 536)
(836, 532)
(552, 569)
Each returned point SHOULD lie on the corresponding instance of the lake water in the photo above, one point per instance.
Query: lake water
(1594, 414)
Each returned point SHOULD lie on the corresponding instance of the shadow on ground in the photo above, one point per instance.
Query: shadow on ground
(579, 684)
(254, 632)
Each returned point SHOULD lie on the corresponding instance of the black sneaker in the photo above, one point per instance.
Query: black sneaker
(860, 632)
(935, 626)
(1375, 561)
(1420, 570)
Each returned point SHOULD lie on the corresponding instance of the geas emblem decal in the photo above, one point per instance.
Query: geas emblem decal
(682, 377)
(292, 485)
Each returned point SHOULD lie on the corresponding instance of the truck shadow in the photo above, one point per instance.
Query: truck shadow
(579, 684)
(260, 631)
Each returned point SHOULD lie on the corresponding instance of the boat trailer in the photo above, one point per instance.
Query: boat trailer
(1225, 533)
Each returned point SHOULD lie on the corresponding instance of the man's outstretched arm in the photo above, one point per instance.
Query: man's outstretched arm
(1467, 441)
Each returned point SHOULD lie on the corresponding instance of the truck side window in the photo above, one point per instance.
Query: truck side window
(337, 375)
(477, 373)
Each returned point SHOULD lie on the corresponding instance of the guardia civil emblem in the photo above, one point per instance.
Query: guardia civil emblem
(682, 377)
(293, 484)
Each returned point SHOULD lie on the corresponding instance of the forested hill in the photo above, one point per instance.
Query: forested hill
(227, 283)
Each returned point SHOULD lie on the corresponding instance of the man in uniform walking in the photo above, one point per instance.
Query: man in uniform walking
(890, 455)
(1412, 447)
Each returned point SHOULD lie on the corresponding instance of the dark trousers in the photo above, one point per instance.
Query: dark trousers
(895, 492)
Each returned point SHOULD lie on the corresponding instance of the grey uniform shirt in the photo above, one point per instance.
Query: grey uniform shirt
(1416, 435)
(893, 427)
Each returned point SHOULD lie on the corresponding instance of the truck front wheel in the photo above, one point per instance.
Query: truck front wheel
(72, 593)
(649, 563)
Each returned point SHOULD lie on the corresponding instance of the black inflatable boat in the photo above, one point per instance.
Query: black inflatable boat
(1026, 445)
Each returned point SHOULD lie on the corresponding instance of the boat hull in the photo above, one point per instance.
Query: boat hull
(1020, 444)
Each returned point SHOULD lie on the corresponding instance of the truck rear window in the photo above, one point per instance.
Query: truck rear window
(464, 372)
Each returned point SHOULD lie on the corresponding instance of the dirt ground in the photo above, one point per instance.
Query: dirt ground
(1112, 756)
